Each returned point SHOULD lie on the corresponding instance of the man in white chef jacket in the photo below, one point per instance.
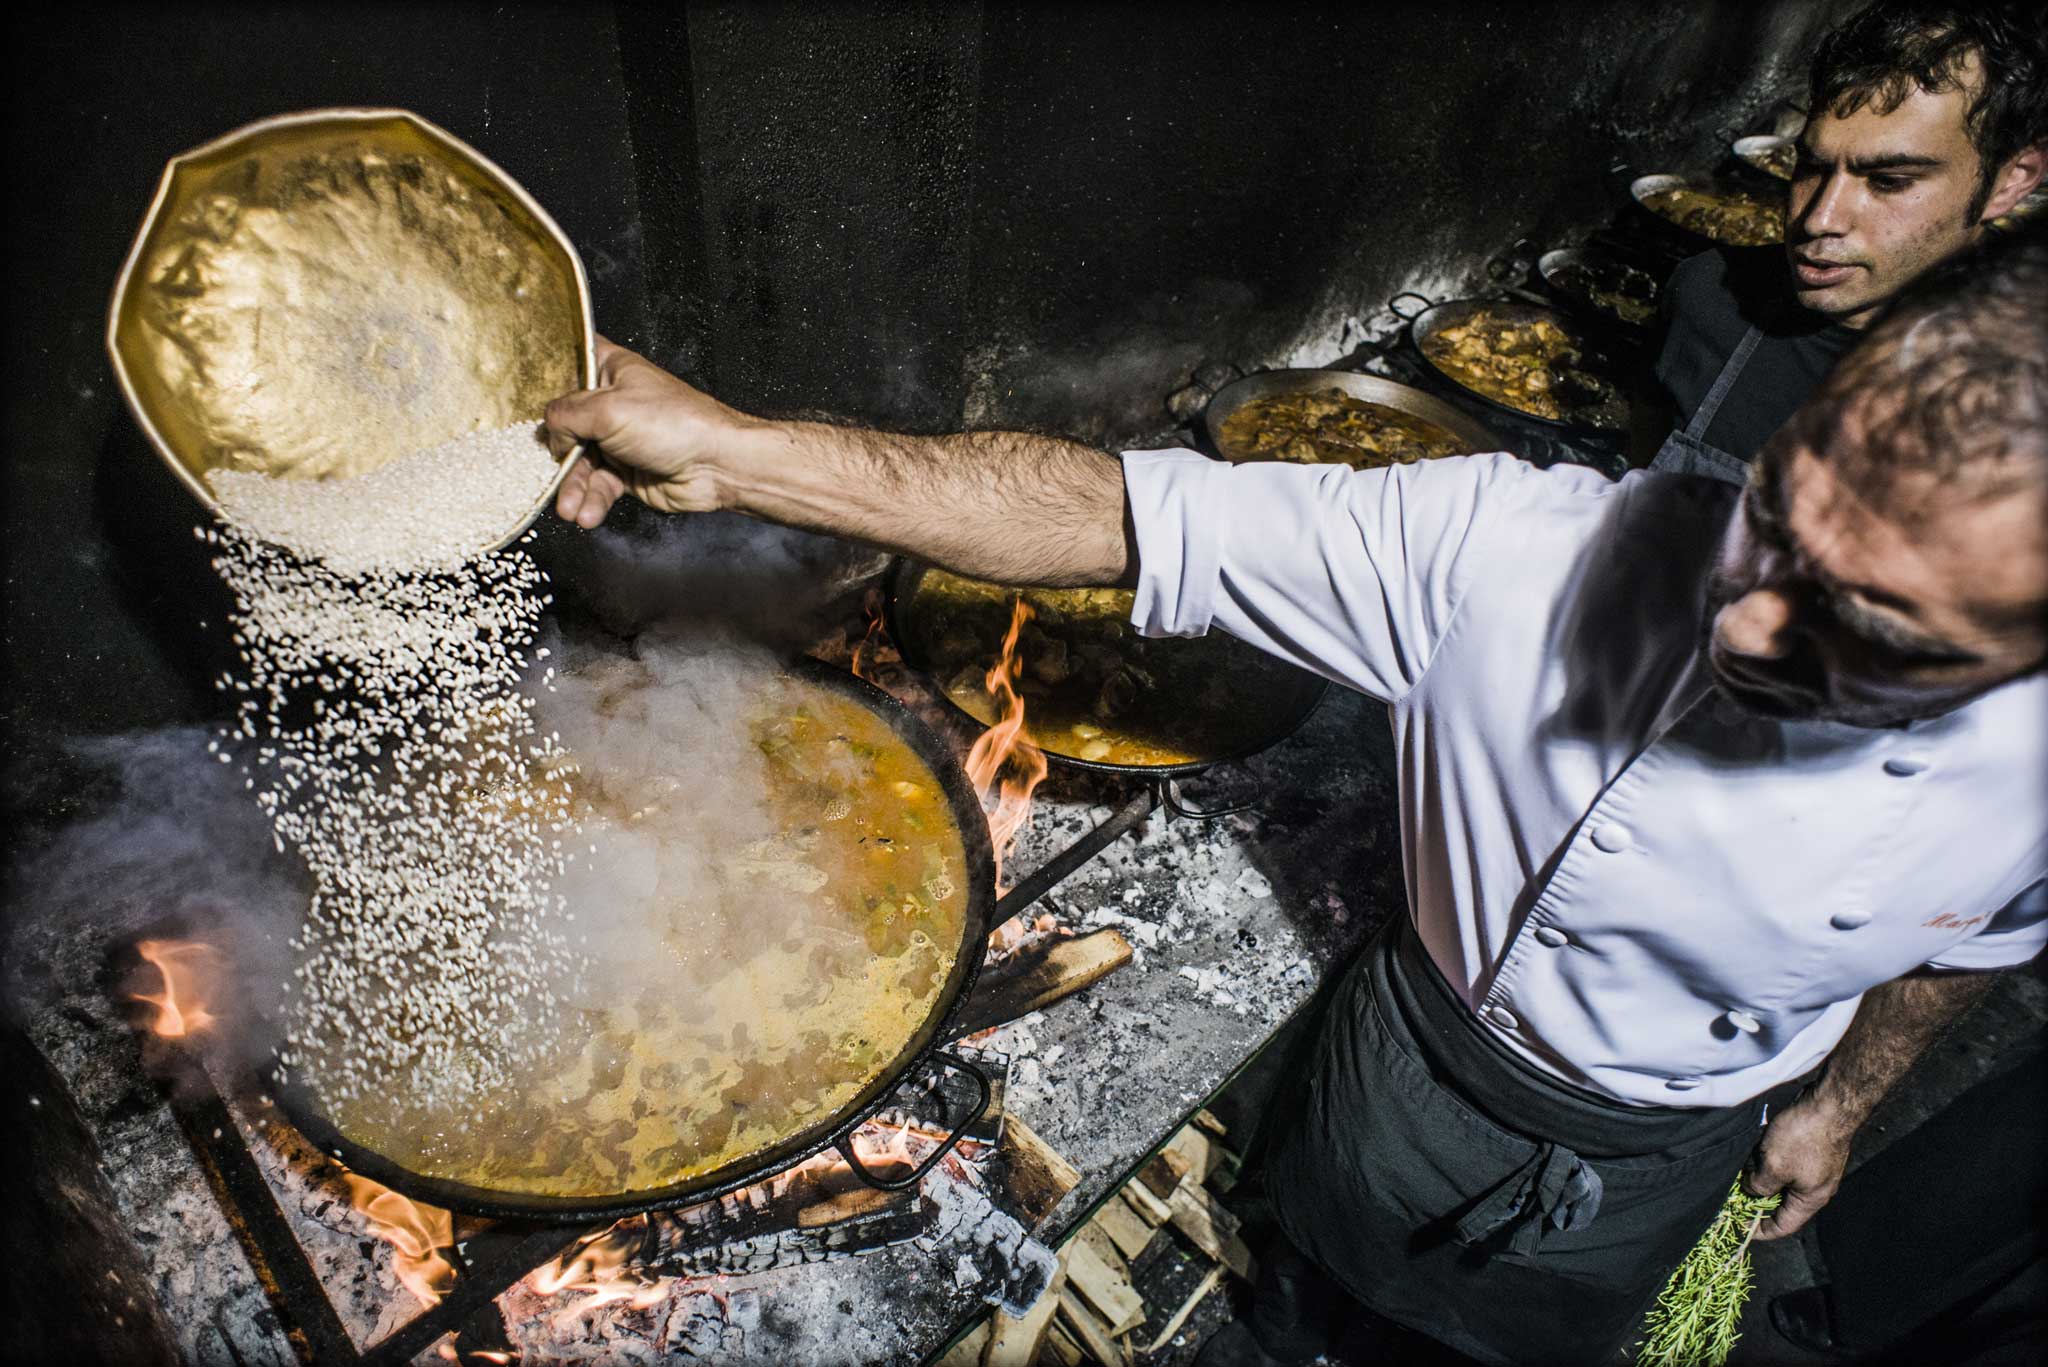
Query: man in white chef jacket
(1700, 786)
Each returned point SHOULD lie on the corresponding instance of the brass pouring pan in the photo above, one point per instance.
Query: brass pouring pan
(316, 294)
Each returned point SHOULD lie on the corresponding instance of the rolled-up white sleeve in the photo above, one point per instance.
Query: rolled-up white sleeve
(1355, 574)
(2013, 936)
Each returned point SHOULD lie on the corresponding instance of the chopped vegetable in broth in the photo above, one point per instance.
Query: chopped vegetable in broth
(1093, 688)
(1331, 427)
(801, 972)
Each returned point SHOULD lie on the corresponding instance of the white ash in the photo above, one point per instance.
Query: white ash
(994, 1255)
(381, 728)
(430, 510)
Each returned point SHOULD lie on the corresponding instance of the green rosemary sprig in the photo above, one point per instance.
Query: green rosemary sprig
(1694, 1321)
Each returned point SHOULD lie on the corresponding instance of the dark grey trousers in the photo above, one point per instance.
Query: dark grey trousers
(1454, 1189)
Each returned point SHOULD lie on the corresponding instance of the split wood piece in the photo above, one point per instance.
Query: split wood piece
(1209, 1122)
(1163, 1173)
(1016, 1342)
(1034, 1177)
(1212, 1229)
(1127, 1229)
(1060, 1348)
(1187, 1307)
(1036, 977)
(1150, 1208)
(967, 1352)
(1195, 1148)
(1088, 1331)
(1099, 1273)
(847, 1205)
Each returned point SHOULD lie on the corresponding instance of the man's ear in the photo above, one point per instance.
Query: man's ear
(2016, 180)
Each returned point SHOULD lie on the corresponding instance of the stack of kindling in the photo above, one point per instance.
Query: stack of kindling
(1093, 1311)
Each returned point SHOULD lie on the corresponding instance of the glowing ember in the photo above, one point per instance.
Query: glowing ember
(1004, 764)
(415, 1232)
(179, 1012)
(597, 1265)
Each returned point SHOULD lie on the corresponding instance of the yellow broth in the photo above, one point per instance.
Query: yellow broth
(803, 1012)
(1332, 427)
(1735, 217)
(1093, 688)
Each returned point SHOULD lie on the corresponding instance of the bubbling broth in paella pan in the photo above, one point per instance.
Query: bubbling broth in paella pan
(766, 971)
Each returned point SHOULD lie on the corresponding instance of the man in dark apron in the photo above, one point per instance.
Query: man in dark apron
(1928, 123)
(1696, 792)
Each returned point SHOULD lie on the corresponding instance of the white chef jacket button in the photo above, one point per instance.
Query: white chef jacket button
(1849, 920)
(1744, 1022)
(1503, 1017)
(1612, 837)
(1682, 1084)
(1898, 766)
(1552, 936)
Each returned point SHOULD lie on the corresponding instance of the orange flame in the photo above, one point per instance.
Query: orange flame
(597, 1265)
(863, 662)
(415, 1232)
(1003, 760)
(1013, 932)
(178, 1010)
(889, 1151)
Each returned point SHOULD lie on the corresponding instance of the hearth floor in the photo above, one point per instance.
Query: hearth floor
(1234, 923)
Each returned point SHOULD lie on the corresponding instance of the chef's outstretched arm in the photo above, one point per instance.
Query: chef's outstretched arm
(1008, 506)
(1805, 1147)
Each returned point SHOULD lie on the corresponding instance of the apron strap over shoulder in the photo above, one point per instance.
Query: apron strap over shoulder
(1731, 371)
(1687, 452)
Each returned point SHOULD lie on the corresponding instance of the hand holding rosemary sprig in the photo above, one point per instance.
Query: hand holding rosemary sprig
(1696, 1316)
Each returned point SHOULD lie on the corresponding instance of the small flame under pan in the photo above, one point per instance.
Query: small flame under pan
(1097, 695)
(920, 1054)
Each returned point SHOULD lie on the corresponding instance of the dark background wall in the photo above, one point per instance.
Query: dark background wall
(918, 214)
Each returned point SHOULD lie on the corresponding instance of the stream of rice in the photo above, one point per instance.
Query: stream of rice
(381, 727)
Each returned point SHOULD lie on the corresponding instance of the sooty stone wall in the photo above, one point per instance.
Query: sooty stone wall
(911, 212)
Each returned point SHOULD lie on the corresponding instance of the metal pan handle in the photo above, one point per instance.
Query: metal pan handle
(916, 1175)
(1174, 802)
(1394, 305)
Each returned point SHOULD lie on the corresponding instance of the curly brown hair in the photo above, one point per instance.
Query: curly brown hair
(1887, 51)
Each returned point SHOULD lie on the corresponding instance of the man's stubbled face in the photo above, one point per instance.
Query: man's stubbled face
(1878, 198)
(1829, 603)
